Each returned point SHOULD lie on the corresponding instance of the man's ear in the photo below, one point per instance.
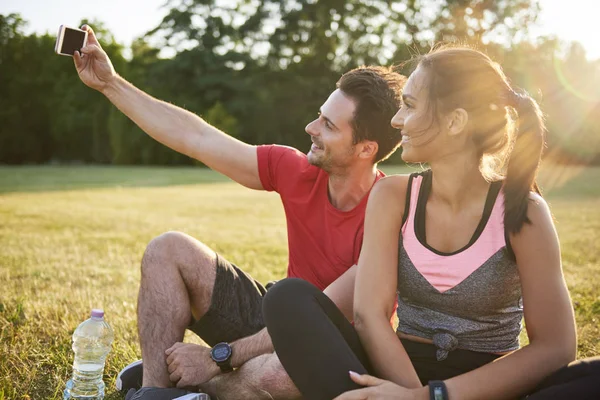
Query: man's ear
(368, 149)
(457, 121)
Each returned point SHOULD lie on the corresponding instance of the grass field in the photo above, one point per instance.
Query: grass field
(71, 238)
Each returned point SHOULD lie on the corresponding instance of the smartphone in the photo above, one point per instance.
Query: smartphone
(69, 40)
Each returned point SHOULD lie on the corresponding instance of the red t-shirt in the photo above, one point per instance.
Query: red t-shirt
(323, 241)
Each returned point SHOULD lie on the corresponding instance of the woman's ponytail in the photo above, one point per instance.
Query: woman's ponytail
(469, 79)
(524, 160)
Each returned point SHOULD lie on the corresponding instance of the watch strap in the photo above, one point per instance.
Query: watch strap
(225, 365)
(437, 390)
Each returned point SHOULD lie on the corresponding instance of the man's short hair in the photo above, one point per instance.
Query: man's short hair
(377, 92)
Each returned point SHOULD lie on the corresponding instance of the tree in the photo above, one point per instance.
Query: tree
(260, 70)
(338, 34)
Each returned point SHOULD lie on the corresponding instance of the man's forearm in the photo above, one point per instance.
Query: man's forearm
(249, 347)
(172, 126)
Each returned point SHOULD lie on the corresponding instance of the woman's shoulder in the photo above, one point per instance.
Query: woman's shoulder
(389, 194)
(539, 228)
(392, 183)
(538, 211)
(399, 184)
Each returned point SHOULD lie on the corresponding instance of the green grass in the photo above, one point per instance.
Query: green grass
(71, 238)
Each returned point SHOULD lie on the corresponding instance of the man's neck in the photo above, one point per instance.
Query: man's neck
(347, 189)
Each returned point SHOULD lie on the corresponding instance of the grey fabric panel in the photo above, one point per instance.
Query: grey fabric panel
(482, 313)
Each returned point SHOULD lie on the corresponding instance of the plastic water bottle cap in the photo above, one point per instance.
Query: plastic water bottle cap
(97, 313)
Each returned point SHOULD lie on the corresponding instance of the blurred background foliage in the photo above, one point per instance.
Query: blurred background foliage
(259, 70)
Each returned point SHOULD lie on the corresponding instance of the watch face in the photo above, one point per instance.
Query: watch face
(221, 352)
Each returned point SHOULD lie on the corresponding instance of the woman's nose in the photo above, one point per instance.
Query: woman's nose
(397, 121)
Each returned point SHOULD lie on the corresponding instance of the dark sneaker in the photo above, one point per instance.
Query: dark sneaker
(151, 393)
(130, 377)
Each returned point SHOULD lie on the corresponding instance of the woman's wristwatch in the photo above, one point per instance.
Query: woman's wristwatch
(437, 390)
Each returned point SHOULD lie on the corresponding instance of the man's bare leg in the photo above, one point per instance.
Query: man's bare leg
(178, 276)
(260, 378)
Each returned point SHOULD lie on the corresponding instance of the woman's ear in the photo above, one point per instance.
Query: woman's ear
(457, 121)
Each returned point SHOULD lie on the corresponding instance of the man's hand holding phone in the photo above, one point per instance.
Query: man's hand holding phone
(92, 63)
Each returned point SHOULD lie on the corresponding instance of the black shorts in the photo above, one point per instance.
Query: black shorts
(235, 309)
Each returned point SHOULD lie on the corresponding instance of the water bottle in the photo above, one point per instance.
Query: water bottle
(91, 343)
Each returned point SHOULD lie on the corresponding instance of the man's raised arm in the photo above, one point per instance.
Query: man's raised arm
(172, 126)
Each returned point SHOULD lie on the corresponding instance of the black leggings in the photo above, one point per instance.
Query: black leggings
(318, 346)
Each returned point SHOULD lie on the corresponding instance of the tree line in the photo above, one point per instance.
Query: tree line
(260, 70)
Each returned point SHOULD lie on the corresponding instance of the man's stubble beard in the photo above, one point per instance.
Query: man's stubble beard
(327, 165)
(320, 162)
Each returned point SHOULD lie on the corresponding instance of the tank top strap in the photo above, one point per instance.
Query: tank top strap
(412, 195)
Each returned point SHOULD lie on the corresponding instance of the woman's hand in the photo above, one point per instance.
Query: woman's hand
(378, 389)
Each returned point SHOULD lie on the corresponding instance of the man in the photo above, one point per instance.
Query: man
(186, 285)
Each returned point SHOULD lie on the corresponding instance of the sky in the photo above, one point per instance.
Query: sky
(573, 20)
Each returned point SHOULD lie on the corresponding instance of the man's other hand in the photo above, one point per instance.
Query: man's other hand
(190, 364)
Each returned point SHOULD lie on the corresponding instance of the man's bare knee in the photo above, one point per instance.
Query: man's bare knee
(164, 246)
(176, 249)
(273, 375)
(261, 378)
(191, 261)
(269, 379)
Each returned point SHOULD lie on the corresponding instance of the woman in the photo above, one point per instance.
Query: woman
(468, 247)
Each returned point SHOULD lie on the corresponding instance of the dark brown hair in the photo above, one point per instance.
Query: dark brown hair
(377, 92)
(506, 125)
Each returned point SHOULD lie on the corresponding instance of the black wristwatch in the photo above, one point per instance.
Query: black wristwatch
(437, 390)
(221, 354)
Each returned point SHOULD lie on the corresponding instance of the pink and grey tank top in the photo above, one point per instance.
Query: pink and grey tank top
(469, 299)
